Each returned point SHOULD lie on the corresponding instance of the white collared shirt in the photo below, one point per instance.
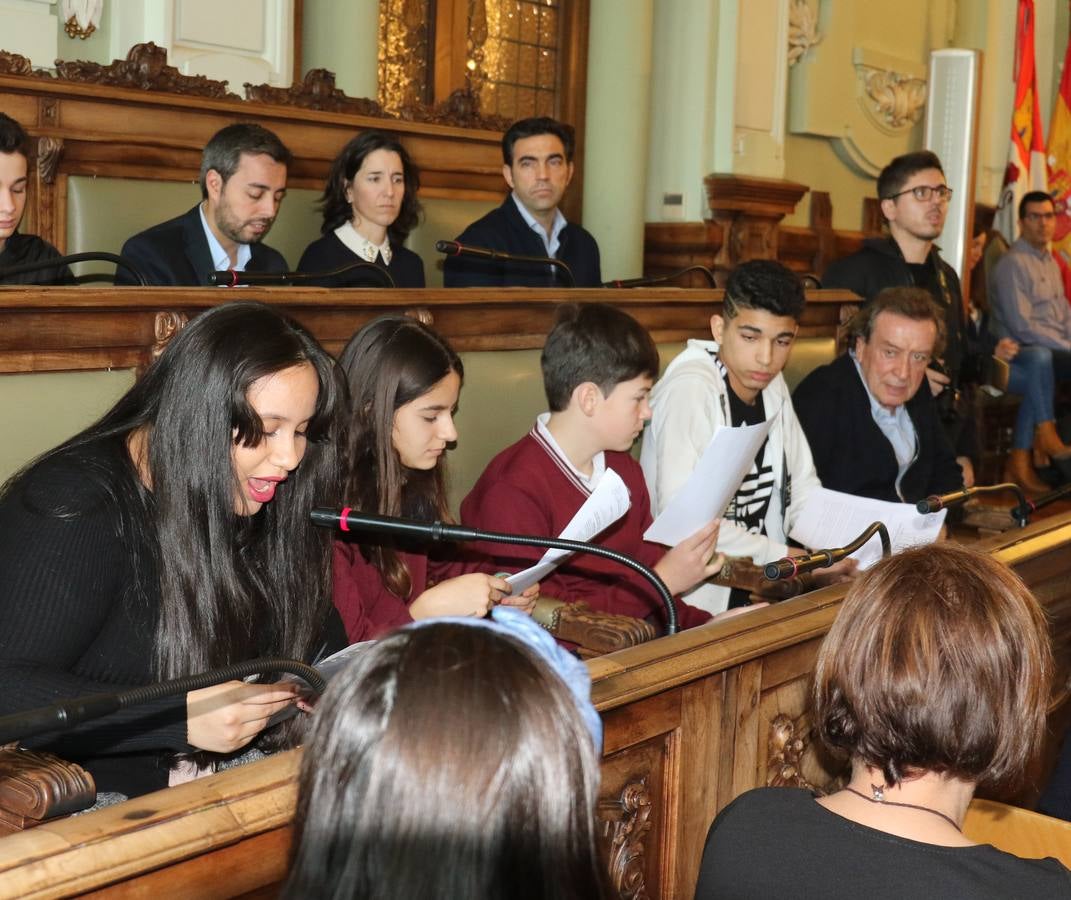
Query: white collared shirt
(359, 245)
(598, 462)
(552, 241)
(221, 259)
(897, 427)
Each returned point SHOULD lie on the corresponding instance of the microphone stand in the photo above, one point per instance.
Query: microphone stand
(88, 256)
(1021, 513)
(232, 278)
(659, 279)
(453, 248)
(68, 713)
(347, 520)
(788, 567)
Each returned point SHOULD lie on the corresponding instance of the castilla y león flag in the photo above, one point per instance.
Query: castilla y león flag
(1026, 157)
(1059, 159)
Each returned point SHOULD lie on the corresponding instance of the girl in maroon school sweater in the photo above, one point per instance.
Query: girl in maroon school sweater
(404, 381)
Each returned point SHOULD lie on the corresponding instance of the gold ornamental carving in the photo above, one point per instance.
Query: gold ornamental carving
(893, 100)
(165, 326)
(802, 30)
(788, 741)
(626, 821)
(145, 68)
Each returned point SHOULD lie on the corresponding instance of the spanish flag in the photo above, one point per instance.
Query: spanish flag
(1059, 159)
(1026, 157)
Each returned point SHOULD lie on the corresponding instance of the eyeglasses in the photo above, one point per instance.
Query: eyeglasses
(924, 192)
(1040, 217)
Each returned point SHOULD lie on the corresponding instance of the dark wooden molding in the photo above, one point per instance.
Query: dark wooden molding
(461, 109)
(37, 786)
(145, 68)
(14, 64)
(315, 91)
(88, 328)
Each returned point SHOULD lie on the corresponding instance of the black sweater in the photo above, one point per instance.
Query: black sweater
(852, 455)
(328, 252)
(20, 249)
(505, 229)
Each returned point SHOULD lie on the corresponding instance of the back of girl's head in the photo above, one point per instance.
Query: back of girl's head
(392, 361)
(939, 661)
(448, 761)
(337, 208)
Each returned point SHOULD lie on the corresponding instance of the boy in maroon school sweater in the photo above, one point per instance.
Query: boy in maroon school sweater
(598, 367)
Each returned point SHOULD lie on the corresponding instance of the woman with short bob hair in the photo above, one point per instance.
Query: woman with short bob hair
(934, 680)
(369, 207)
(404, 381)
(173, 537)
(454, 759)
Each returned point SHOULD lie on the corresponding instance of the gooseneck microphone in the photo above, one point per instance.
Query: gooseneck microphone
(65, 714)
(791, 566)
(659, 279)
(89, 256)
(936, 502)
(347, 519)
(234, 278)
(454, 248)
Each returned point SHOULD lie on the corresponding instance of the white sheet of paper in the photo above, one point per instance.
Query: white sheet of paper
(831, 519)
(711, 486)
(604, 506)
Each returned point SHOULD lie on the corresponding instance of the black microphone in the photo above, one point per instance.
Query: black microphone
(658, 279)
(454, 248)
(234, 278)
(791, 566)
(89, 256)
(347, 519)
(66, 714)
(1020, 513)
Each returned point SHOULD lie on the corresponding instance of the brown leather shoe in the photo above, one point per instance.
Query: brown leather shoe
(1047, 440)
(1019, 470)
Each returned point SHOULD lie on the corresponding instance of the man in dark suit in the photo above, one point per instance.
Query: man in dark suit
(872, 431)
(243, 182)
(538, 166)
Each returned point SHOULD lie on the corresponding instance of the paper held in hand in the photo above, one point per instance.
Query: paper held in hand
(831, 519)
(606, 504)
(712, 484)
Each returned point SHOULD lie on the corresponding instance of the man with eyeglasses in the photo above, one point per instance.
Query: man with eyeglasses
(914, 201)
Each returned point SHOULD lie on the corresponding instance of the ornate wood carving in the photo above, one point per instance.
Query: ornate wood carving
(49, 151)
(37, 786)
(146, 69)
(316, 91)
(788, 742)
(749, 210)
(595, 633)
(165, 326)
(461, 109)
(14, 64)
(626, 820)
(422, 314)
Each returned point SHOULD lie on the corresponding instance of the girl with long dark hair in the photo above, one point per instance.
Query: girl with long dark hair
(454, 759)
(369, 206)
(172, 537)
(404, 381)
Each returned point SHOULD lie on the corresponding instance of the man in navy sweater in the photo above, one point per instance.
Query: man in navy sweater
(538, 166)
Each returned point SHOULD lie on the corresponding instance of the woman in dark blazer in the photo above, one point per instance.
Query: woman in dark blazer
(369, 205)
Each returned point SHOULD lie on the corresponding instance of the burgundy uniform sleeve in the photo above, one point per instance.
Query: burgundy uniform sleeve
(367, 608)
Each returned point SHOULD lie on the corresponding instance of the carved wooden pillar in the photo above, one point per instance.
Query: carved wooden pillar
(749, 210)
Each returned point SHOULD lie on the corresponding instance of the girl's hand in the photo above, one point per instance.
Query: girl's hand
(467, 595)
(524, 601)
(226, 717)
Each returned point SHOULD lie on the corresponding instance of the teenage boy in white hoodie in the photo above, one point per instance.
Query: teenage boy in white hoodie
(731, 381)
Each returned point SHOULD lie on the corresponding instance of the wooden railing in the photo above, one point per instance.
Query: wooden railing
(691, 721)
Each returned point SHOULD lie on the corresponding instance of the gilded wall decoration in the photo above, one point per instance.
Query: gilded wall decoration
(894, 100)
(802, 30)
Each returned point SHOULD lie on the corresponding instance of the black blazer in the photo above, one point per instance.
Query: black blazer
(851, 454)
(328, 252)
(175, 254)
(505, 229)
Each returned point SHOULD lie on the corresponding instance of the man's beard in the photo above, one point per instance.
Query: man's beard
(230, 227)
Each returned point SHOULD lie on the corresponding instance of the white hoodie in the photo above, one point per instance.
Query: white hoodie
(690, 403)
